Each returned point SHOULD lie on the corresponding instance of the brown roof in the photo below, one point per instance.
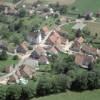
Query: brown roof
(55, 38)
(40, 50)
(22, 47)
(13, 78)
(82, 59)
(43, 60)
(88, 49)
(45, 30)
(26, 71)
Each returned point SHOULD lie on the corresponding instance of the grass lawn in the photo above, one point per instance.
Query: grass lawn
(68, 27)
(7, 62)
(87, 5)
(88, 95)
(94, 28)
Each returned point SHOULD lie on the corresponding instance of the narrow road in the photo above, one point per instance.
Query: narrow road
(45, 39)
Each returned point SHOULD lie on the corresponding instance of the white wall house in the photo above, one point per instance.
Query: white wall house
(34, 38)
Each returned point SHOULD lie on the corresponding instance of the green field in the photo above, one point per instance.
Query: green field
(94, 28)
(87, 5)
(68, 27)
(88, 95)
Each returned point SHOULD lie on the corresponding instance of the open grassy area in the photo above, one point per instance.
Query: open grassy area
(87, 5)
(94, 28)
(88, 95)
(8, 62)
(68, 27)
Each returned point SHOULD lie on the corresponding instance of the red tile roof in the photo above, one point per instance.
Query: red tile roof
(55, 38)
(26, 71)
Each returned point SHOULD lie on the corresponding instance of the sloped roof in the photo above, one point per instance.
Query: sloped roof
(83, 59)
(55, 38)
(40, 50)
(27, 70)
(43, 59)
(89, 49)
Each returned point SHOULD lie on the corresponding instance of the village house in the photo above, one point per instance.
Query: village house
(10, 11)
(40, 54)
(83, 60)
(43, 60)
(56, 39)
(13, 79)
(89, 49)
(27, 71)
(31, 62)
(22, 48)
(34, 37)
(39, 51)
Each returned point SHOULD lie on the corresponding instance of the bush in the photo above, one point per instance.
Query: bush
(30, 48)
(15, 57)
